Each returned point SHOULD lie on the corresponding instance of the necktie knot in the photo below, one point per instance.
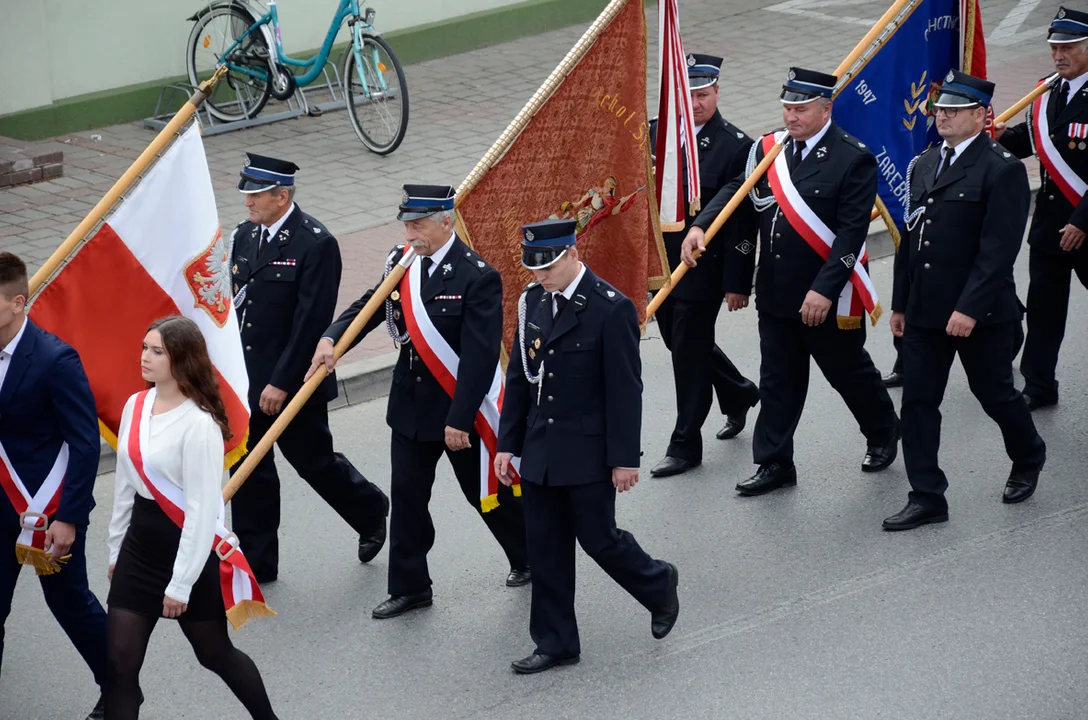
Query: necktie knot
(798, 152)
(425, 266)
(948, 153)
(560, 303)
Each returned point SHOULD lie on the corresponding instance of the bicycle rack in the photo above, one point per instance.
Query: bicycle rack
(296, 106)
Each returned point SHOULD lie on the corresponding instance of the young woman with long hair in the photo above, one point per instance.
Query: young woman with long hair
(158, 569)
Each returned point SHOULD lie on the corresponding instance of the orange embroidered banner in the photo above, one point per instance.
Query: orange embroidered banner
(579, 150)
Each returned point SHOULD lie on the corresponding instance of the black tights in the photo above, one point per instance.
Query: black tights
(129, 634)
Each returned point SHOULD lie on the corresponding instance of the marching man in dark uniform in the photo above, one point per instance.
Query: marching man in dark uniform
(954, 294)
(1056, 131)
(687, 316)
(286, 276)
(446, 316)
(813, 287)
(573, 413)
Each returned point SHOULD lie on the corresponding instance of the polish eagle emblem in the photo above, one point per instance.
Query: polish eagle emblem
(208, 276)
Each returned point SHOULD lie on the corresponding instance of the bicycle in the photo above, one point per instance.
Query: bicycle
(236, 34)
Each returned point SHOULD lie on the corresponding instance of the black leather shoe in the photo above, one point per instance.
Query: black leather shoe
(733, 425)
(519, 577)
(671, 466)
(878, 457)
(771, 476)
(892, 379)
(539, 663)
(914, 515)
(99, 712)
(1035, 402)
(400, 604)
(1021, 486)
(661, 622)
(370, 545)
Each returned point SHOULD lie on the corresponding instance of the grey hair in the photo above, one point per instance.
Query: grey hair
(441, 215)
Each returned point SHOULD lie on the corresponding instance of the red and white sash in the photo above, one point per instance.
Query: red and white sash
(241, 595)
(1071, 184)
(443, 363)
(35, 511)
(859, 294)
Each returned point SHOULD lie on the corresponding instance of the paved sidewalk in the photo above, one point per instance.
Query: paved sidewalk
(460, 104)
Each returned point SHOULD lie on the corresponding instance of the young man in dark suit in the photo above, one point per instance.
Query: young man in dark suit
(573, 413)
(49, 446)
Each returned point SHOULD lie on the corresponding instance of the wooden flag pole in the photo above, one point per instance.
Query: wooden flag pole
(1024, 101)
(738, 197)
(303, 395)
(135, 170)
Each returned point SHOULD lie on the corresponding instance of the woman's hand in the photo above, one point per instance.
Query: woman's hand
(171, 608)
(109, 572)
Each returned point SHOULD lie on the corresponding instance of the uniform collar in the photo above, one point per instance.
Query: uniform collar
(568, 292)
(959, 148)
(9, 349)
(815, 139)
(1076, 84)
(440, 253)
(275, 227)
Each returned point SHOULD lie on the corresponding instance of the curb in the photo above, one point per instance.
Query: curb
(365, 380)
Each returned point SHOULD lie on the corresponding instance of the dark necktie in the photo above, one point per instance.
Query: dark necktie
(264, 242)
(560, 303)
(1060, 101)
(425, 266)
(795, 158)
(948, 153)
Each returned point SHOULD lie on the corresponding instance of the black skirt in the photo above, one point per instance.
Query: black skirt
(146, 564)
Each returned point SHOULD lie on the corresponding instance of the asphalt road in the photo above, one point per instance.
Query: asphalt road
(794, 605)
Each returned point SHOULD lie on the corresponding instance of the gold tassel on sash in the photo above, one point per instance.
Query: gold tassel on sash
(489, 503)
(248, 610)
(42, 561)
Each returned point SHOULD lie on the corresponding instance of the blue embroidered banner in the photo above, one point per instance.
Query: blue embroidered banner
(887, 104)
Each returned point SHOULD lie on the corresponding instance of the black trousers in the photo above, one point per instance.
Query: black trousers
(786, 345)
(700, 369)
(986, 356)
(307, 445)
(69, 599)
(1018, 342)
(411, 528)
(1048, 306)
(554, 516)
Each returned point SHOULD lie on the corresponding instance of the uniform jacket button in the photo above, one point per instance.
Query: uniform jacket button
(929, 222)
(419, 379)
(961, 194)
(249, 325)
(551, 421)
(926, 266)
(1049, 197)
(277, 275)
(817, 192)
(926, 243)
(248, 348)
(930, 201)
(551, 351)
(778, 235)
(551, 375)
(777, 257)
(249, 302)
(550, 398)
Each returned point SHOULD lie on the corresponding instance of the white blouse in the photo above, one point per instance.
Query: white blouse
(187, 449)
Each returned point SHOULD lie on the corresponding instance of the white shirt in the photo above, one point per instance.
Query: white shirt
(275, 227)
(186, 449)
(438, 255)
(9, 351)
(568, 291)
(959, 151)
(1076, 84)
(814, 140)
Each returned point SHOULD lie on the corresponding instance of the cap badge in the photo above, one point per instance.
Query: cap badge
(691, 61)
(792, 75)
(529, 237)
(245, 161)
(951, 76)
(404, 198)
(1061, 13)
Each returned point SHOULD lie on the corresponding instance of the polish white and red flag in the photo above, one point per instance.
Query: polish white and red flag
(674, 150)
(159, 252)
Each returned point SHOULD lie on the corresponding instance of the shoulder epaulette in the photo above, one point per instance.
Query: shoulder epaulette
(607, 291)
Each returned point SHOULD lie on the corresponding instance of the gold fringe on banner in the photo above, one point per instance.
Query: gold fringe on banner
(40, 560)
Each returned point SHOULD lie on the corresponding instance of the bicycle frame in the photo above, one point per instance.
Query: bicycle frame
(346, 9)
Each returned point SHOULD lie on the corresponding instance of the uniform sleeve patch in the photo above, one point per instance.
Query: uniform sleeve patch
(849, 261)
(746, 248)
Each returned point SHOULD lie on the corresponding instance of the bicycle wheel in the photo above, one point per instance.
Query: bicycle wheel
(377, 99)
(238, 96)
